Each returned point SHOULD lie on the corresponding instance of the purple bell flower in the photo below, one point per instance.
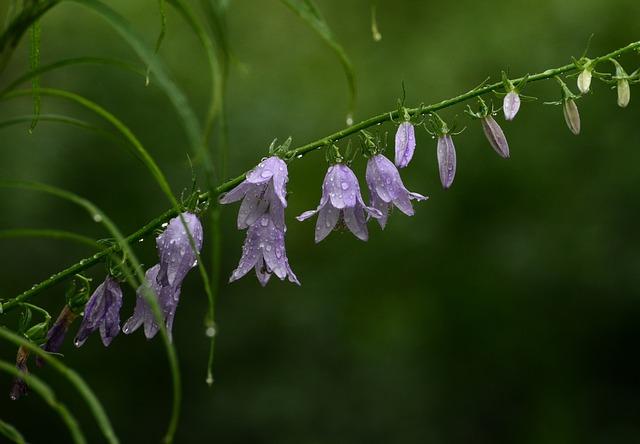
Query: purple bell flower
(168, 298)
(511, 105)
(446, 160)
(165, 279)
(102, 312)
(175, 251)
(264, 250)
(495, 136)
(341, 200)
(264, 190)
(386, 188)
(405, 144)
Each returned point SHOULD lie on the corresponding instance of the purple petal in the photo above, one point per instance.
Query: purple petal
(264, 171)
(102, 312)
(354, 218)
(381, 206)
(495, 136)
(235, 194)
(307, 214)
(405, 144)
(253, 206)
(142, 313)
(327, 220)
(511, 105)
(342, 186)
(446, 160)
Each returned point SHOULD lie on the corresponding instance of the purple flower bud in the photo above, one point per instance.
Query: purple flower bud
(405, 144)
(511, 105)
(263, 191)
(102, 312)
(176, 254)
(55, 335)
(446, 160)
(584, 80)
(571, 115)
(495, 136)
(264, 250)
(341, 200)
(386, 188)
(18, 386)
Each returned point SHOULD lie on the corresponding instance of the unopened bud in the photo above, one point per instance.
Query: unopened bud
(624, 93)
(571, 115)
(584, 81)
(495, 136)
(446, 160)
(511, 105)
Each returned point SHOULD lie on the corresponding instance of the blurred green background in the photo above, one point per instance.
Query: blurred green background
(505, 311)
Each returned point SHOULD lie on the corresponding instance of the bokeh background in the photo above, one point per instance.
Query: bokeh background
(506, 311)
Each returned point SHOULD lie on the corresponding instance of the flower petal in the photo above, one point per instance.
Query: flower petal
(354, 218)
(235, 194)
(327, 220)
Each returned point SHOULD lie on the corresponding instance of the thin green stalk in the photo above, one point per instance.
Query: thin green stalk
(11, 433)
(49, 234)
(302, 151)
(42, 389)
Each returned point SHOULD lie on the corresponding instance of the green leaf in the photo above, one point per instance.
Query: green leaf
(11, 433)
(309, 12)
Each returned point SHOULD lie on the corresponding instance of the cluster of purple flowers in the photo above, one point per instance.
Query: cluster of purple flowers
(263, 195)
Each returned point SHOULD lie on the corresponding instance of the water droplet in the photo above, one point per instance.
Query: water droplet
(299, 156)
(266, 173)
(264, 222)
(97, 218)
(344, 185)
(210, 332)
(278, 253)
(141, 240)
(349, 120)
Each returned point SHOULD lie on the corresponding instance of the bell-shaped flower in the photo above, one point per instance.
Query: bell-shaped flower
(405, 144)
(341, 201)
(164, 280)
(263, 191)
(495, 136)
(167, 298)
(264, 250)
(175, 250)
(511, 105)
(446, 160)
(571, 115)
(102, 312)
(386, 188)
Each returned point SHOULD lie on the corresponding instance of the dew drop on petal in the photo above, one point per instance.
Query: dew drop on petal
(344, 185)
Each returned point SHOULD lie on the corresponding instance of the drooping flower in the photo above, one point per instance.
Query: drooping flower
(495, 135)
(164, 280)
(102, 312)
(446, 160)
(175, 251)
(19, 386)
(167, 298)
(264, 190)
(571, 115)
(405, 144)
(57, 332)
(341, 200)
(264, 250)
(584, 80)
(511, 105)
(386, 188)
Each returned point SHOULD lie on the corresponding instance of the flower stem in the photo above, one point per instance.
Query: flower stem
(296, 153)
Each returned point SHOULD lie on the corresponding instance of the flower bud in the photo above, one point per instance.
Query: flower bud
(511, 105)
(584, 81)
(624, 93)
(495, 135)
(446, 160)
(571, 115)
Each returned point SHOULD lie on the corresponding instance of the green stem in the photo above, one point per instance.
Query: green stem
(49, 397)
(298, 153)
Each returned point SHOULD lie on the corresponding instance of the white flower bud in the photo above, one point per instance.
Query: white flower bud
(584, 81)
(624, 93)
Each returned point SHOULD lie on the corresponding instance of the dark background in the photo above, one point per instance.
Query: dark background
(505, 311)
